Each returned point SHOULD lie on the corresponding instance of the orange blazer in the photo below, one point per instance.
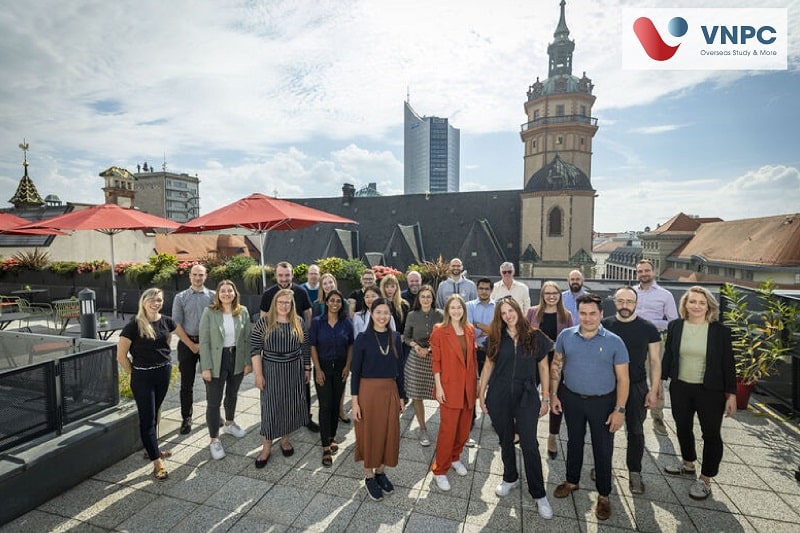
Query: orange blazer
(458, 377)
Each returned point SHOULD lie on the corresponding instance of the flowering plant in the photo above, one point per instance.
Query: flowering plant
(381, 271)
(120, 268)
(184, 267)
(96, 267)
(12, 264)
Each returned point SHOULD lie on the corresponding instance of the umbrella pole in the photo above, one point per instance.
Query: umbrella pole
(113, 278)
(263, 273)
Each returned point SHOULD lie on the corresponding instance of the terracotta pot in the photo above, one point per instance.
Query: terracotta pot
(743, 391)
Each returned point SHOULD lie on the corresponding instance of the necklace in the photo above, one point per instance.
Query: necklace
(384, 351)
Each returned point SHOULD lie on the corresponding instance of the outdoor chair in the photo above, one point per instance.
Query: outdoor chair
(36, 312)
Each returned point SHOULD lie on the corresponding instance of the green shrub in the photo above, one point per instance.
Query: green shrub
(140, 274)
(299, 273)
(331, 265)
(238, 265)
(252, 278)
(218, 273)
(63, 268)
(351, 271)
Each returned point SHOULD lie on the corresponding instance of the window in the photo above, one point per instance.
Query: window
(554, 222)
(535, 114)
(560, 140)
(560, 110)
(583, 110)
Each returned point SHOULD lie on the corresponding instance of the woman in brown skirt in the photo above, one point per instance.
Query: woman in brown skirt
(375, 381)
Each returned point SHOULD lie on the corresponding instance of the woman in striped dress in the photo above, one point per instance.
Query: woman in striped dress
(282, 367)
(419, 380)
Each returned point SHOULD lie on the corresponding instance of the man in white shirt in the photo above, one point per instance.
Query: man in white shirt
(508, 286)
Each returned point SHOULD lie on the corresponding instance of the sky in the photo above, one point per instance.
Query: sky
(295, 98)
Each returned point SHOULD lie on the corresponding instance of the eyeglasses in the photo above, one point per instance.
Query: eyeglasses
(506, 271)
(620, 301)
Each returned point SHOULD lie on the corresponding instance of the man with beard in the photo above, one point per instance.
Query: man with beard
(455, 284)
(283, 279)
(414, 281)
(594, 364)
(657, 305)
(570, 296)
(356, 298)
(643, 342)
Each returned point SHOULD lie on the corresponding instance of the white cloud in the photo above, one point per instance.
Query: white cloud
(629, 205)
(655, 130)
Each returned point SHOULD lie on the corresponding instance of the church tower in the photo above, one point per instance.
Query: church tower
(557, 197)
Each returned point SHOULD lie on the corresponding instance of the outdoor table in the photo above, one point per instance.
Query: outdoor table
(104, 331)
(29, 294)
(8, 318)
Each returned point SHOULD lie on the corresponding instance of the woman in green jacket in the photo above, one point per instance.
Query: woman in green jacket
(224, 360)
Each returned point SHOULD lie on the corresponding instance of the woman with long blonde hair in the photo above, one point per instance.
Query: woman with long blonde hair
(390, 289)
(282, 367)
(147, 338)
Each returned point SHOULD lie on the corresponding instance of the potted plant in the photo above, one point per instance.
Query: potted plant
(761, 340)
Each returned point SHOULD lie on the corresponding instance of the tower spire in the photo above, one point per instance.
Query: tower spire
(560, 50)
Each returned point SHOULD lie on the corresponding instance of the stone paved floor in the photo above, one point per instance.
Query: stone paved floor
(755, 490)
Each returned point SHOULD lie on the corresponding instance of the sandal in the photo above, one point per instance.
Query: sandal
(327, 458)
(161, 474)
(287, 452)
(334, 447)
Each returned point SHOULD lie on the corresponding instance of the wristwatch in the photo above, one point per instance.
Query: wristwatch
(620, 410)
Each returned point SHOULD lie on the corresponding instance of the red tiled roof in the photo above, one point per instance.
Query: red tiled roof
(766, 241)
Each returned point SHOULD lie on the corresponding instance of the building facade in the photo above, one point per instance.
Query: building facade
(557, 197)
(431, 154)
(167, 194)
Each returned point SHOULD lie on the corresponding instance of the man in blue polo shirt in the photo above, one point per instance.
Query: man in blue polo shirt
(594, 364)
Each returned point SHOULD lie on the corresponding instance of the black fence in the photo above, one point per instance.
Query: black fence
(47, 382)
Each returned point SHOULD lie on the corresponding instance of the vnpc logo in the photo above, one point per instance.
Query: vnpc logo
(704, 39)
(651, 40)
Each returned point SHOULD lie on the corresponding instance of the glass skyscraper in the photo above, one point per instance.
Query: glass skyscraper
(431, 154)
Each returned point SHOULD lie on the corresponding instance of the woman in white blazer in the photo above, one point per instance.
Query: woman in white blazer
(224, 360)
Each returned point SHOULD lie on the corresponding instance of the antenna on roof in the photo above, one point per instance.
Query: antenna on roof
(164, 164)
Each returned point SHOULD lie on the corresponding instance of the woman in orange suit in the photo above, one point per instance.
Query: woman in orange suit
(455, 371)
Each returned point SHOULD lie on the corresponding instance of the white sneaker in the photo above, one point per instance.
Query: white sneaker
(217, 451)
(460, 469)
(545, 511)
(234, 429)
(470, 443)
(505, 487)
(423, 438)
(443, 482)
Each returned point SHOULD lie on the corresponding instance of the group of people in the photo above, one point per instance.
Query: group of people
(464, 344)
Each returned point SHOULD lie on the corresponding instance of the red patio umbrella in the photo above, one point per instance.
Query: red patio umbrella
(109, 219)
(9, 224)
(260, 214)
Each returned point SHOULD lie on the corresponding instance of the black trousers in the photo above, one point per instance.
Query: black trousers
(227, 382)
(579, 410)
(329, 395)
(635, 414)
(688, 399)
(187, 364)
(513, 410)
(149, 388)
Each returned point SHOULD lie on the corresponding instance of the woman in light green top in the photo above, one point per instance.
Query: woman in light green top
(224, 360)
(698, 357)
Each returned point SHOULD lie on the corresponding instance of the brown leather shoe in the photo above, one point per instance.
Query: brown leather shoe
(603, 509)
(565, 489)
